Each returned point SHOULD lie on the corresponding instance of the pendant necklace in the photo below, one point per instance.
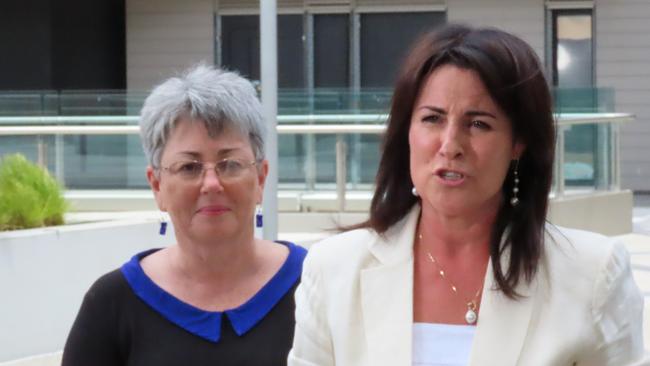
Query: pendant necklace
(470, 316)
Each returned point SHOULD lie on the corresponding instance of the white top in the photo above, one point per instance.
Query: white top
(442, 344)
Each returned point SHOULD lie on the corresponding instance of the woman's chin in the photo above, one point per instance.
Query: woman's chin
(451, 209)
(206, 230)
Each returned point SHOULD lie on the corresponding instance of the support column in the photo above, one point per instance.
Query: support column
(269, 84)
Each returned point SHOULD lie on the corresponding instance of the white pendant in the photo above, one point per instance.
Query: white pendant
(470, 316)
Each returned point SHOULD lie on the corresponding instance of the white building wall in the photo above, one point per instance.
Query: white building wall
(623, 63)
(524, 18)
(164, 37)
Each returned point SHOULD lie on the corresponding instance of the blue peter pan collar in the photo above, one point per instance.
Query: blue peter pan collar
(207, 324)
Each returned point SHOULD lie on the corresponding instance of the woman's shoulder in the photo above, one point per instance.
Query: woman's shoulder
(588, 245)
(584, 254)
(114, 285)
(109, 285)
(592, 272)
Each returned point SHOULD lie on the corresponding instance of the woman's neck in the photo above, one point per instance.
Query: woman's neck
(219, 261)
(450, 235)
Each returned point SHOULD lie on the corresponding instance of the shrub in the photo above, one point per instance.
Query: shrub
(29, 196)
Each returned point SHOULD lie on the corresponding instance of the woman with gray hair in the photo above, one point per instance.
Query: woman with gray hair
(220, 295)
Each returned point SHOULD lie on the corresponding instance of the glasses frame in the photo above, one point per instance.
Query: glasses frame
(205, 166)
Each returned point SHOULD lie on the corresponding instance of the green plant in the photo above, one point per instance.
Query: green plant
(29, 196)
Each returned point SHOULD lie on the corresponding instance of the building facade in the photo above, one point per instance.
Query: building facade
(599, 45)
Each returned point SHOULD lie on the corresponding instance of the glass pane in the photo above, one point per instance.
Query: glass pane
(573, 53)
(240, 47)
(383, 47)
(291, 165)
(326, 159)
(573, 76)
(240, 44)
(579, 158)
(290, 51)
(369, 158)
(588, 151)
(29, 147)
(95, 161)
(331, 50)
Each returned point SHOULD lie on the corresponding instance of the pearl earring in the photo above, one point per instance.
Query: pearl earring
(514, 201)
(415, 192)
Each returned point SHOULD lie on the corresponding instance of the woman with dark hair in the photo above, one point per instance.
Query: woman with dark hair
(456, 264)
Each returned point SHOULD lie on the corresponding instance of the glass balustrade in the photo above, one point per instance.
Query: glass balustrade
(587, 137)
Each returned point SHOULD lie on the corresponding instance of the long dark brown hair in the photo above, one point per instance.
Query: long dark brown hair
(513, 76)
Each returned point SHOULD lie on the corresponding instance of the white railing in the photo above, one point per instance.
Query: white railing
(339, 125)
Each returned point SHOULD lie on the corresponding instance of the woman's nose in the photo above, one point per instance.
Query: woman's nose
(451, 142)
(210, 181)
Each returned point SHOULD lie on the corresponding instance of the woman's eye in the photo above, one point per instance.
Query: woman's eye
(480, 124)
(230, 165)
(431, 118)
(190, 167)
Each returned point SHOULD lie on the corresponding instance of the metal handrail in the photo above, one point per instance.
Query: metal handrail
(562, 118)
(134, 130)
(340, 127)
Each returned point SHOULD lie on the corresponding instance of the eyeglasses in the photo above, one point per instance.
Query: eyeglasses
(227, 169)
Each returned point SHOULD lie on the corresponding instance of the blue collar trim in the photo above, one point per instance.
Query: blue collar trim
(207, 324)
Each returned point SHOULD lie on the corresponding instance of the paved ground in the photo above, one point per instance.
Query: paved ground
(641, 220)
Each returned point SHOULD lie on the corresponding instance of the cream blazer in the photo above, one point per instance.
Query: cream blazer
(354, 305)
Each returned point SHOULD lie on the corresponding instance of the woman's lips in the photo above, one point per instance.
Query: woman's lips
(213, 210)
(451, 178)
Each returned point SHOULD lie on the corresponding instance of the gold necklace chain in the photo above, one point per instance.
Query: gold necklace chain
(470, 316)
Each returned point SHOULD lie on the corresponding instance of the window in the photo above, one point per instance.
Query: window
(385, 40)
(240, 37)
(573, 79)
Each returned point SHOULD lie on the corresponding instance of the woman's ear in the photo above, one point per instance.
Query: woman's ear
(262, 173)
(154, 183)
(518, 150)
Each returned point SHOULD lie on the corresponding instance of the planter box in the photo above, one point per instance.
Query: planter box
(50, 359)
(45, 272)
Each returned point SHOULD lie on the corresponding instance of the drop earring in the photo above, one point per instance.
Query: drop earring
(163, 225)
(259, 218)
(259, 222)
(514, 201)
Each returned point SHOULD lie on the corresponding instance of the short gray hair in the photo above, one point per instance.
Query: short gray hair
(220, 99)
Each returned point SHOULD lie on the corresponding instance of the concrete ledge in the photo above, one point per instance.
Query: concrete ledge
(44, 274)
(49, 359)
(608, 213)
(143, 200)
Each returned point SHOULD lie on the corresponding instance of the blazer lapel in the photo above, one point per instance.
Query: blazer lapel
(387, 295)
(503, 323)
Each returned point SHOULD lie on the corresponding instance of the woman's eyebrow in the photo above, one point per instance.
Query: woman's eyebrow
(479, 113)
(434, 109)
(470, 113)
(220, 152)
(192, 154)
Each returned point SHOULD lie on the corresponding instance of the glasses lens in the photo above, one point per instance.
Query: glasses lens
(187, 169)
(230, 168)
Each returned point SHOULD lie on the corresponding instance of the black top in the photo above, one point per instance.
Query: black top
(126, 319)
